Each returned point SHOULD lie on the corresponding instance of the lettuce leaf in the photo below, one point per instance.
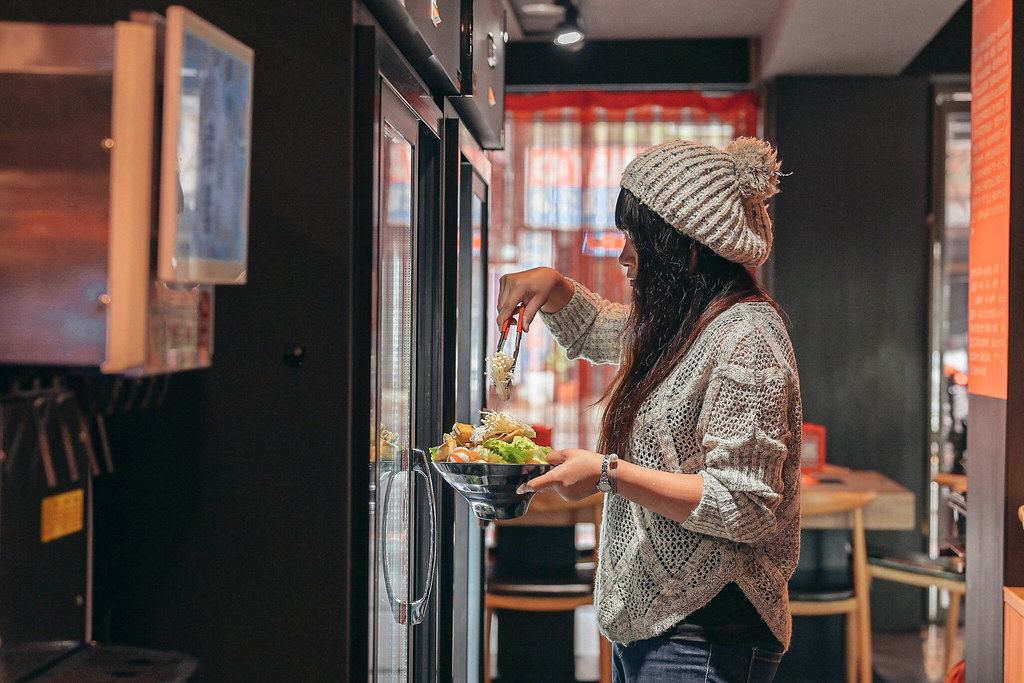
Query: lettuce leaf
(519, 451)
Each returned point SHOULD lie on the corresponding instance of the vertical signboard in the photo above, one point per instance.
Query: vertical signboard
(991, 53)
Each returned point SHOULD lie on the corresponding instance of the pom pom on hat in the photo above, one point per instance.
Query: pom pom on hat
(711, 195)
(757, 169)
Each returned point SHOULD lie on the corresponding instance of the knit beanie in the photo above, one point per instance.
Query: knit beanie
(712, 195)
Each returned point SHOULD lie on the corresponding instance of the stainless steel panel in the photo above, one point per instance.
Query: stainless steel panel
(56, 48)
(54, 217)
(76, 219)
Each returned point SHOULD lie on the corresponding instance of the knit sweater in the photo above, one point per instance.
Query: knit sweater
(730, 412)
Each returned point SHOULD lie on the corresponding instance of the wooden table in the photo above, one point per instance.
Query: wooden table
(956, 482)
(893, 509)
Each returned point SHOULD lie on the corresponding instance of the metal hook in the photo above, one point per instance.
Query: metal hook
(134, 389)
(85, 436)
(166, 377)
(19, 432)
(41, 408)
(115, 393)
(65, 435)
(101, 429)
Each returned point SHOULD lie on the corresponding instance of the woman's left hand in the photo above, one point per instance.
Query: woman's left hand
(575, 477)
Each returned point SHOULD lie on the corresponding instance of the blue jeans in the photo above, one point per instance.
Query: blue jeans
(686, 655)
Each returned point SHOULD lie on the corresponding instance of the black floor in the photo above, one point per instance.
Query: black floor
(913, 657)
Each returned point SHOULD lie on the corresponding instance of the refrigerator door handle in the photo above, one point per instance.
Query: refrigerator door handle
(412, 612)
(418, 608)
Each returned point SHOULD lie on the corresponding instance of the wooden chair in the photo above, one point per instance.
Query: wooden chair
(540, 595)
(853, 602)
(944, 573)
(917, 569)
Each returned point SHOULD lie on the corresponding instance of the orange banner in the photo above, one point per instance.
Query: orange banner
(991, 56)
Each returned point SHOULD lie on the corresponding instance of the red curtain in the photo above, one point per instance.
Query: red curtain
(740, 109)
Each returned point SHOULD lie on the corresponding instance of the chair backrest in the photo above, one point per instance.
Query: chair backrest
(848, 505)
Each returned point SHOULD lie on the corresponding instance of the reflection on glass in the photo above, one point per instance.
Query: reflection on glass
(476, 352)
(955, 251)
(393, 402)
(948, 313)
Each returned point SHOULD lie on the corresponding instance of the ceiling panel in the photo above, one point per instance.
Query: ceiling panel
(828, 37)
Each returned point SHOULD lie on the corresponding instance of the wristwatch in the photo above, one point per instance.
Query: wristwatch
(604, 485)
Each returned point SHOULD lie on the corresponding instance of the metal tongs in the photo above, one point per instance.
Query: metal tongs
(504, 388)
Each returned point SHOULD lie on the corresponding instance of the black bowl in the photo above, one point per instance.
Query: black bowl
(491, 488)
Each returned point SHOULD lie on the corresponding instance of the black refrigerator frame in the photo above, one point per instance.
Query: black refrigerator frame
(449, 169)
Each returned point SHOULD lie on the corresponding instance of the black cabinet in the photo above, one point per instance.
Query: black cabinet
(429, 35)
(482, 101)
(458, 48)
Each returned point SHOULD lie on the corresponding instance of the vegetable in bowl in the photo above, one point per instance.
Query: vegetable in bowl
(520, 451)
(499, 439)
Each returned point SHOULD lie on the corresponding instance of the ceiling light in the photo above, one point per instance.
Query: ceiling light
(569, 33)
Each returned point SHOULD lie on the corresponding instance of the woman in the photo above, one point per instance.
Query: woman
(700, 532)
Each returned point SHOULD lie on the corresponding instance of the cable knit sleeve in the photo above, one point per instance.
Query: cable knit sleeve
(588, 326)
(745, 434)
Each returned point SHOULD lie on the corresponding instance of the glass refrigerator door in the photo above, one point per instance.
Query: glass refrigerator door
(468, 574)
(397, 603)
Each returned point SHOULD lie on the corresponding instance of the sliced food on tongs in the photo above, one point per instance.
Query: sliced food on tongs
(503, 366)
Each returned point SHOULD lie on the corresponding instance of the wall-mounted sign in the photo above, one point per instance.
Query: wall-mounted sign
(991, 53)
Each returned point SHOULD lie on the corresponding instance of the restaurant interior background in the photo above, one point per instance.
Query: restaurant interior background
(226, 529)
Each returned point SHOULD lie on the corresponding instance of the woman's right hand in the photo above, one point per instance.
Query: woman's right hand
(575, 476)
(538, 289)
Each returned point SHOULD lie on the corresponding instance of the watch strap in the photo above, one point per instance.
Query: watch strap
(604, 484)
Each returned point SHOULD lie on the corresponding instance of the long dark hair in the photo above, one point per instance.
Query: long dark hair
(680, 286)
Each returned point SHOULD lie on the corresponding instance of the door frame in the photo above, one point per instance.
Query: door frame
(378, 65)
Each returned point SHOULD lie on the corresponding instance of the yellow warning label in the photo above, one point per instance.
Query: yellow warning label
(63, 514)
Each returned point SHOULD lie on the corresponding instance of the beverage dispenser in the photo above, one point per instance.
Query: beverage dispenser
(124, 190)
